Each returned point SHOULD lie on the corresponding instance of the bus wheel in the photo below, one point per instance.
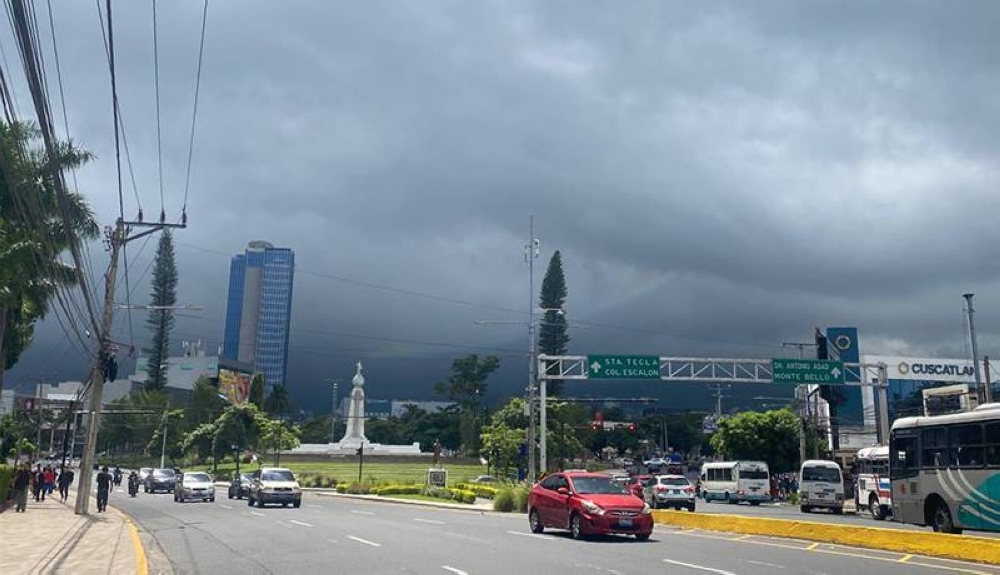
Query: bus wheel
(875, 508)
(942, 521)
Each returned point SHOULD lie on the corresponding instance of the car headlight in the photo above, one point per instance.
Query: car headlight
(592, 508)
(646, 509)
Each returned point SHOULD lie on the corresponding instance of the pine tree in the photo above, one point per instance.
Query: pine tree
(552, 337)
(160, 321)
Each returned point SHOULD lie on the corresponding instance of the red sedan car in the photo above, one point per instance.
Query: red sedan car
(587, 504)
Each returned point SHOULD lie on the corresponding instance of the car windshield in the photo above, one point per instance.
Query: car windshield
(197, 477)
(597, 485)
(163, 473)
(277, 476)
(753, 474)
(145, 470)
(827, 474)
(674, 481)
(246, 476)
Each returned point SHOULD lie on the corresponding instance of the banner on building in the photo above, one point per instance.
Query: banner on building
(235, 385)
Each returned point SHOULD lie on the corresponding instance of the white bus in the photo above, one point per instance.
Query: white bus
(871, 473)
(946, 470)
(736, 481)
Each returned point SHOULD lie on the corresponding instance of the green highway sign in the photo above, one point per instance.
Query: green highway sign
(805, 371)
(623, 366)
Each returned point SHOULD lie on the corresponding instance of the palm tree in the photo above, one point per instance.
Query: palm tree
(32, 234)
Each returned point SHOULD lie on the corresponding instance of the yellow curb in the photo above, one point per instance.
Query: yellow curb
(960, 547)
(141, 562)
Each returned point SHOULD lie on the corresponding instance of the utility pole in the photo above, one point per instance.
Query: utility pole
(117, 238)
(975, 346)
(530, 255)
(986, 379)
(163, 448)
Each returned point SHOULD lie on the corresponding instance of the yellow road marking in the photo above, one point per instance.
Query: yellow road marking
(905, 558)
(741, 538)
(814, 548)
(141, 562)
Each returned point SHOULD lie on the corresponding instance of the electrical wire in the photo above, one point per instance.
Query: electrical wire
(194, 113)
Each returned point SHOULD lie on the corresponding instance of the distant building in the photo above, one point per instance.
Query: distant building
(69, 391)
(259, 309)
(374, 408)
(6, 401)
(399, 406)
(182, 372)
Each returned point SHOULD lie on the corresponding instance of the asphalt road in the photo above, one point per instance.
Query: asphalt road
(337, 535)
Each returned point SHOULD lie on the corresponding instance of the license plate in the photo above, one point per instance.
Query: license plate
(755, 489)
(673, 492)
(625, 522)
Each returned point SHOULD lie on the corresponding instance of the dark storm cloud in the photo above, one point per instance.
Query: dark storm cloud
(730, 172)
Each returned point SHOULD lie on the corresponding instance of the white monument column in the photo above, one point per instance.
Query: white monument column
(355, 435)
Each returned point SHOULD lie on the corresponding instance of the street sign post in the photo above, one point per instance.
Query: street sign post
(807, 371)
(623, 366)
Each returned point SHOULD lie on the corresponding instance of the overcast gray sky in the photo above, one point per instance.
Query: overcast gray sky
(727, 172)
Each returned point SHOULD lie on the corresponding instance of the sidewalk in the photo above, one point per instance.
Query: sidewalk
(50, 538)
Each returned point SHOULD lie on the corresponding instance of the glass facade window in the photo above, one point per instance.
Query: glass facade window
(276, 268)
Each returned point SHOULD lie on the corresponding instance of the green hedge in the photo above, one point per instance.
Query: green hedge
(398, 490)
(6, 474)
(355, 488)
(482, 491)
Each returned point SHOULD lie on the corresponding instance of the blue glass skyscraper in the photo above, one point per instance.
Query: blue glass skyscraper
(259, 309)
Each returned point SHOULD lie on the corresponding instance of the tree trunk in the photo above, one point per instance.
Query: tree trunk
(3, 348)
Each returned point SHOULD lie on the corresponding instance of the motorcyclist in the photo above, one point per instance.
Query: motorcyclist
(133, 483)
(118, 475)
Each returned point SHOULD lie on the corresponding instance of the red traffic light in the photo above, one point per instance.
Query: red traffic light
(631, 427)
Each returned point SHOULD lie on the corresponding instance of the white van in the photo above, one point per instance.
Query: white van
(821, 485)
(736, 481)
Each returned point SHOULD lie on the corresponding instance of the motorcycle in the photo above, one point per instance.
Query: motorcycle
(133, 486)
(118, 477)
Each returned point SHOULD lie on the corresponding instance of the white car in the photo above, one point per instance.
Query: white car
(195, 485)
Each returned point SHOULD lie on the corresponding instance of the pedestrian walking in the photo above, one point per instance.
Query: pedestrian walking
(37, 480)
(19, 486)
(65, 480)
(49, 480)
(104, 481)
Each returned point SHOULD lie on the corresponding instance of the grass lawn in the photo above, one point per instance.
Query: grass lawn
(344, 471)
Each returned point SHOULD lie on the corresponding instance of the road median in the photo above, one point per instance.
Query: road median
(960, 547)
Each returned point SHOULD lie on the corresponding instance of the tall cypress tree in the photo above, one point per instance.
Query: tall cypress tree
(160, 321)
(552, 337)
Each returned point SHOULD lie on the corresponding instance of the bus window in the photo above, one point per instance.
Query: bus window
(993, 444)
(904, 457)
(967, 445)
(935, 448)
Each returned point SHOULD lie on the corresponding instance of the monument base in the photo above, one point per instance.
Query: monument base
(351, 447)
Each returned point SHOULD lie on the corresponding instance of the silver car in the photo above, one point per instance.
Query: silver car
(670, 491)
(195, 485)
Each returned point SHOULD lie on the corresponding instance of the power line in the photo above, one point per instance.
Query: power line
(114, 109)
(457, 301)
(194, 113)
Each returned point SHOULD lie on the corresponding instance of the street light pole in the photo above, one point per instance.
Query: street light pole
(333, 410)
(975, 346)
(530, 255)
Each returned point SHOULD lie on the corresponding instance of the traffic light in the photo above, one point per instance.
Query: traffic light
(631, 427)
(595, 425)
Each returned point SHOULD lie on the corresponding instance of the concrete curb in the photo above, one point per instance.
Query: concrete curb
(141, 562)
(378, 499)
(960, 547)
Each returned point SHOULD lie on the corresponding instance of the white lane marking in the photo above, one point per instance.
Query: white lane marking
(430, 521)
(314, 506)
(356, 512)
(334, 541)
(257, 514)
(613, 572)
(698, 567)
(224, 506)
(365, 541)
(453, 570)
(765, 564)
(283, 524)
(534, 535)
(299, 523)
